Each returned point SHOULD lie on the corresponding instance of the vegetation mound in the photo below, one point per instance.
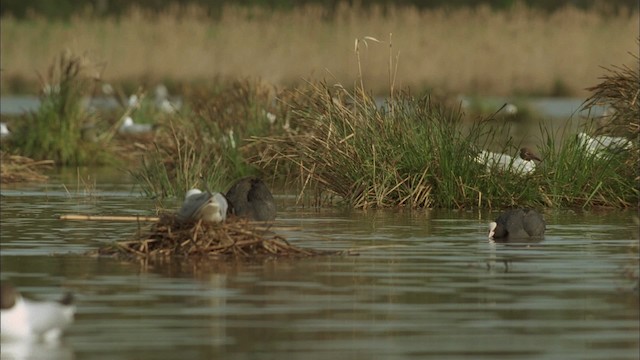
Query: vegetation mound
(235, 238)
(16, 168)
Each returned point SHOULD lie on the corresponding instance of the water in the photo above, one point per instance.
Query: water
(558, 108)
(425, 284)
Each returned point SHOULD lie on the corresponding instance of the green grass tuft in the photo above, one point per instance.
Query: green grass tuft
(59, 130)
(205, 146)
(415, 153)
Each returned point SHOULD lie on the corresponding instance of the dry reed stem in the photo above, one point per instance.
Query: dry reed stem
(16, 168)
(619, 90)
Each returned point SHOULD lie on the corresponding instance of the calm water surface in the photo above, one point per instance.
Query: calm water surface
(426, 284)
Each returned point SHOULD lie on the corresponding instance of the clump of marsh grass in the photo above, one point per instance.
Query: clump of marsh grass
(577, 177)
(180, 159)
(408, 152)
(417, 153)
(207, 143)
(57, 130)
(619, 92)
(422, 154)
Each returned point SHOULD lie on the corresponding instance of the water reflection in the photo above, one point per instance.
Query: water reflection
(424, 284)
(35, 350)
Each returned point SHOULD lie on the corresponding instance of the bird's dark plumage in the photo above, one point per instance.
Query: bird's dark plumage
(251, 198)
(517, 224)
(528, 154)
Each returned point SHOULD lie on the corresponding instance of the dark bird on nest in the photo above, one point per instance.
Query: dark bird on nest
(250, 197)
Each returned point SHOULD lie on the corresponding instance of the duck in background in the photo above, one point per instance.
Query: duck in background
(24, 318)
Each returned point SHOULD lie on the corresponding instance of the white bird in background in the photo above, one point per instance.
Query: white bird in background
(600, 145)
(271, 117)
(49, 89)
(162, 100)
(4, 130)
(522, 165)
(107, 89)
(133, 101)
(511, 109)
(24, 318)
(129, 127)
(210, 207)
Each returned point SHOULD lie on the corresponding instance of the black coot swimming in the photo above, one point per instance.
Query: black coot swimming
(520, 224)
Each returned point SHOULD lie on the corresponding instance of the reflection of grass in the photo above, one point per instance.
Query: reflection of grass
(463, 50)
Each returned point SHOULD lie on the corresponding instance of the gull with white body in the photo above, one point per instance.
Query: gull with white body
(24, 318)
(210, 207)
(522, 165)
(4, 130)
(130, 127)
(601, 145)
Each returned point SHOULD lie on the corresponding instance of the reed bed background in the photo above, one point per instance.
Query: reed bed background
(416, 153)
(341, 144)
(472, 51)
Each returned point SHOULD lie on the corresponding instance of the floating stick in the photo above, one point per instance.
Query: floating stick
(110, 218)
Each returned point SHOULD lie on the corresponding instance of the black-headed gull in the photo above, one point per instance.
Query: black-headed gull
(601, 145)
(130, 127)
(522, 165)
(210, 207)
(24, 318)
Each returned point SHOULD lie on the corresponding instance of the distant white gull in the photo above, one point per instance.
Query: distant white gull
(163, 102)
(4, 130)
(129, 127)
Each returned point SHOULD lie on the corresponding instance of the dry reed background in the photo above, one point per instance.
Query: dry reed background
(520, 51)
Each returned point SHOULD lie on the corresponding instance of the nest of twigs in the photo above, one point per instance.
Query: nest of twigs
(16, 168)
(235, 238)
